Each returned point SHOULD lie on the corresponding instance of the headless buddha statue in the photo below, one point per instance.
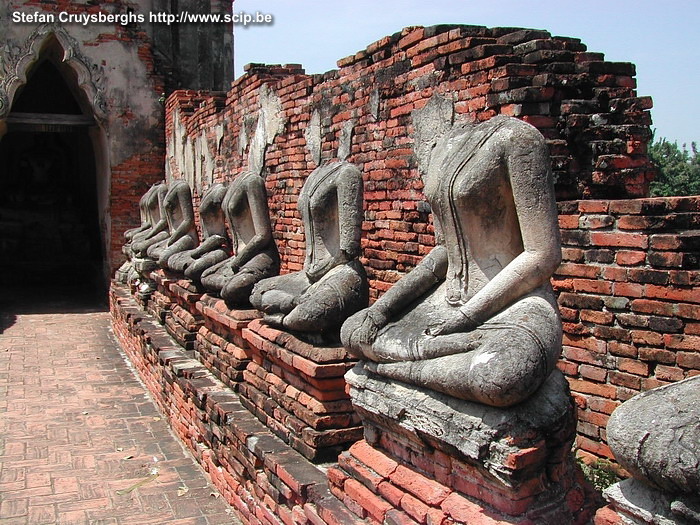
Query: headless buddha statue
(214, 247)
(255, 253)
(179, 215)
(122, 274)
(477, 318)
(158, 229)
(332, 284)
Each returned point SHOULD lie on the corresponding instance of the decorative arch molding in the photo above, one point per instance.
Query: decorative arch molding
(15, 62)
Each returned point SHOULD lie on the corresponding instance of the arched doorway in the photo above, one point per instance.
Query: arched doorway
(49, 219)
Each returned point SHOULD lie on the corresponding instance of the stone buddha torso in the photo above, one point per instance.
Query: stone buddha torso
(214, 246)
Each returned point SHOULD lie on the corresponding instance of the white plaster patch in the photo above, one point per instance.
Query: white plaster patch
(482, 359)
(270, 124)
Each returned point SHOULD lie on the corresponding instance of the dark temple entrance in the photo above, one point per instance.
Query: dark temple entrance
(49, 223)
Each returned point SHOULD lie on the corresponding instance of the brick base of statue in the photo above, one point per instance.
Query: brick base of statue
(159, 304)
(181, 319)
(427, 456)
(298, 391)
(220, 345)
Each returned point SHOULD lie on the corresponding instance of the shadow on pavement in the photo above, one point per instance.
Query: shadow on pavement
(45, 299)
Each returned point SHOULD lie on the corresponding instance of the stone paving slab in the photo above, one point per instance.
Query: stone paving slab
(80, 440)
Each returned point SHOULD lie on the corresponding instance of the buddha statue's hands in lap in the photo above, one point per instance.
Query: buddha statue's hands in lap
(255, 254)
(214, 247)
(477, 318)
(332, 284)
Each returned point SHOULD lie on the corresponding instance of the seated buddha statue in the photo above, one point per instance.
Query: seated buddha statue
(255, 254)
(158, 224)
(214, 247)
(143, 215)
(332, 284)
(123, 272)
(179, 214)
(477, 318)
(655, 436)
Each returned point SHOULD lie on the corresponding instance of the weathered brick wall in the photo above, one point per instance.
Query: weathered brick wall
(630, 303)
(588, 109)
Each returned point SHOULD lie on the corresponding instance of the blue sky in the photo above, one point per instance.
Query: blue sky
(661, 37)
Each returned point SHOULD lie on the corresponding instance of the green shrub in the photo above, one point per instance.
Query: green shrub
(678, 169)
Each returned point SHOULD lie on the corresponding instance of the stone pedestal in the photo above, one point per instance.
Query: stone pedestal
(298, 391)
(220, 345)
(425, 452)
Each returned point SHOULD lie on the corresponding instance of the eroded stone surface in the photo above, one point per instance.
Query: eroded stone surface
(158, 229)
(656, 436)
(270, 123)
(639, 502)
(179, 214)
(471, 431)
(255, 254)
(215, 244)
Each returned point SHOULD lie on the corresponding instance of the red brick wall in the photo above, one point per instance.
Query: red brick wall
(630, 303)
(588, 109)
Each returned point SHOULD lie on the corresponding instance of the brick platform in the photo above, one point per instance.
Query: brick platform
(428, 453)
(174, 304)
(220, 345)
(77, 430)
(297, 390)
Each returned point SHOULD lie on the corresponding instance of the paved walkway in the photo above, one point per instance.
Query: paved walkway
(80, 440)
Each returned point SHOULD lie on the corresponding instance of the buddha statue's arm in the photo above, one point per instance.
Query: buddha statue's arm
(158, 227)
(210, 211)
(257, 203)
(362, 328)
(528, 164)
(129, 234)
(416, 283)
(212, 242)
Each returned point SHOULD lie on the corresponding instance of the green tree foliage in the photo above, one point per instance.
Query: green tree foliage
(678, 169)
